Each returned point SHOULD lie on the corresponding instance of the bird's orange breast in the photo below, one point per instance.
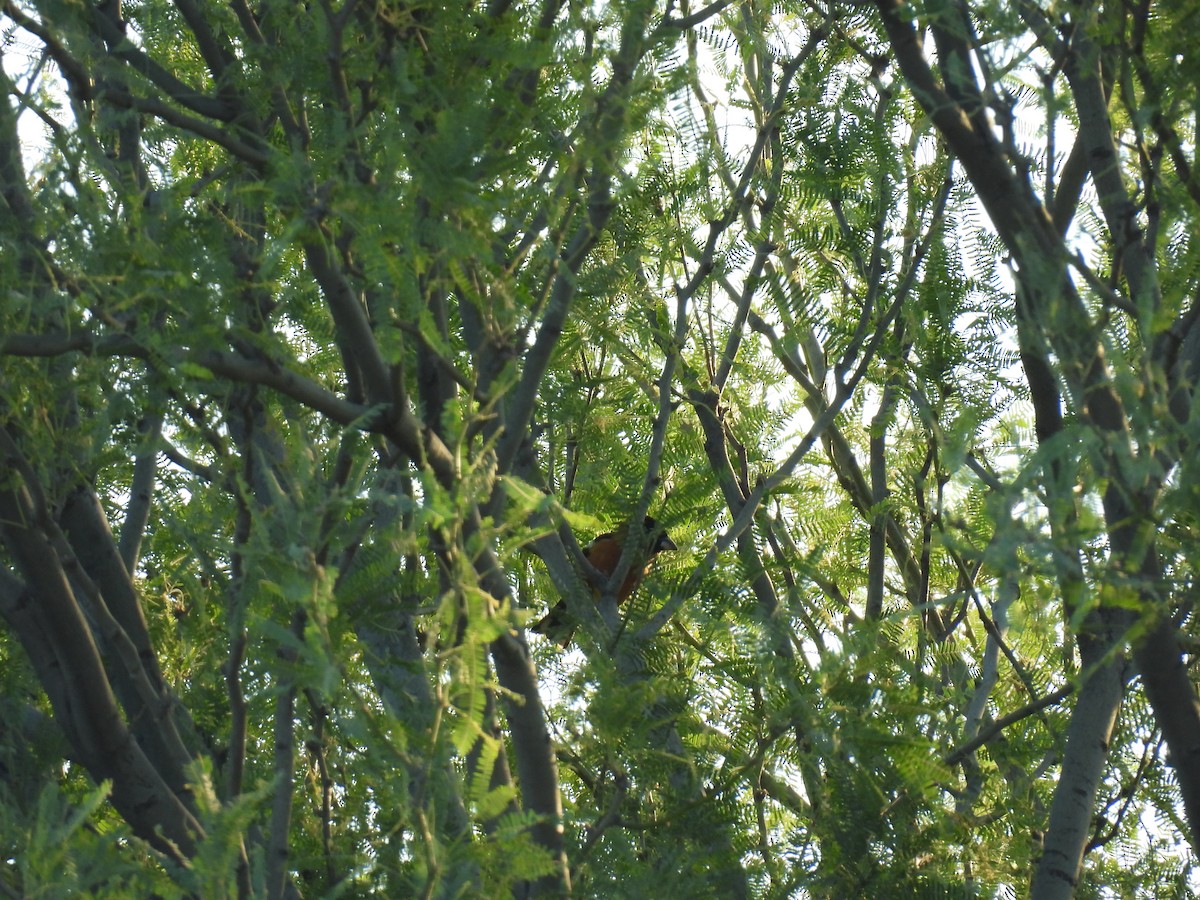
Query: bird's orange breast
(605, 553)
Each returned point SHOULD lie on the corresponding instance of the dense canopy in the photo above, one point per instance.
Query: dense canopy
(331, 333)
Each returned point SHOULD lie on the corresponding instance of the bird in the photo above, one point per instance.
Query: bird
(604, 553)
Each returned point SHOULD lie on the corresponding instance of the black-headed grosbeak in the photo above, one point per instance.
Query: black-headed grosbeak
(604, 553)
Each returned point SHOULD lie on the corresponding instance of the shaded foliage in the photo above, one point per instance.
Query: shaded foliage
(329, 334)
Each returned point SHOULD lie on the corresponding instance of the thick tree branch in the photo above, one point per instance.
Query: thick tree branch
(141, 492)
(86, 708)
(113, 32)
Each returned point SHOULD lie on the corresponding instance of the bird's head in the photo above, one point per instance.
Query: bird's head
(657, 536)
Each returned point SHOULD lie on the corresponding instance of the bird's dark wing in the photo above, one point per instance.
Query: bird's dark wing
(555, 625)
